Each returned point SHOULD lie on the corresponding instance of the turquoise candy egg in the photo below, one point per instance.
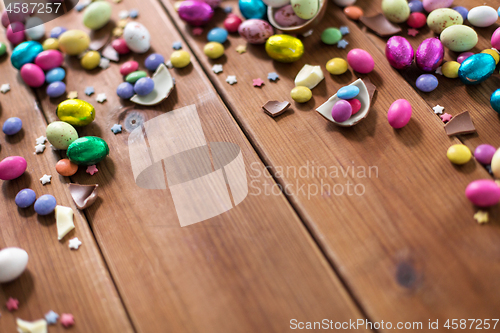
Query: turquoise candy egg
(24, 53)
(495, 100)
(252, 9)
(477, 68)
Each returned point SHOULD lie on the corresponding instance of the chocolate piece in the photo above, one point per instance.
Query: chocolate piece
(370, 87)
(110, 53)
(380, 25)
(460, 124)
(83, 195)
(275, 108)
(99, 38)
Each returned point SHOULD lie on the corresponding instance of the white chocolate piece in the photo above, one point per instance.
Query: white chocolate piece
(309, 76)
(39, 326)
(64, 221)
(13, 262)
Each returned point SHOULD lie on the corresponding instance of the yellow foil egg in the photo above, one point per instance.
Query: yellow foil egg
(91, 60)
(76, 112)
(74, 42)
(493, 53)
(284, 48)
(50, 44)
(213, 50)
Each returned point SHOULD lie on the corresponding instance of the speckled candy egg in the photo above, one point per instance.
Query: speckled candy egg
(195, 12)
(49, 59)
(361, 61)
(25, 53)
(137, 36)
(396, 11)
(76, 112)
(427, 82)
(73, 42)
(476, 69)
(87, 150)
(232, 23)
(399, 113)
(442, 18)
(305, 9)
(61, 134)
(284, 48)
(495, 39)
(255, 31)
(15, 33)
(35, 29)
(97, 15)
(495, 100)
(276, 3)
(12, 167)
(286, 17)
(459, 38)
(32, 75)
(399, 52)
(482, 16)
(483, 192)
(430, 5)
(252, 9)
(56, 89)
(55, 74)
(429, 55)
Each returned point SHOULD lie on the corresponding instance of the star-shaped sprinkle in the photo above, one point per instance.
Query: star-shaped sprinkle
(74, 244)
(446, 117)
(51, 317)
(241, 49)
(197, 31)
(39, 149)
(169, 64)
(12, 304)
(308, 33)
(342, 44)
(123, 14)
(228, 9)
(412, 32)
(481, 217)
(439, 70)
(67, 319)
(438, 109)
(5, 88)
(89, 91)
(122, 23)
(231, 79)
(217, 68)
(134, 13)
(73, 94)
(257, 82)
(116, 128)
(272, 76)
(41, 140)
(344, 30)
(46, 179)
(177, 45)
(101, 98)
(104, 63)
(92, 169)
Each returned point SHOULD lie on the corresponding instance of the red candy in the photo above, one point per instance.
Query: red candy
(129, 67)
(120, 46)
(417, 20)
(355, 105)
(232, 23)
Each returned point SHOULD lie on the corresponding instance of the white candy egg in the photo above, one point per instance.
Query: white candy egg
(35, 29)
(276, 3)
(13, 262)
(482, 16)
(344, 3)
(137, 37)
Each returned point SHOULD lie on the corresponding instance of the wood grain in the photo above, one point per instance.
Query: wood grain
(408, 248)
(251, 269)
(57, 278)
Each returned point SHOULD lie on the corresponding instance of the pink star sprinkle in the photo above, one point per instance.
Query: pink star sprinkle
(412, 32)
(257, 82)
(12, 304)
(92, 169)
(197, 31)
(446, 117)
(67, 320)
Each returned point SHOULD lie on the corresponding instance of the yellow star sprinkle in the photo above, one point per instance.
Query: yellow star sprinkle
(73, 94)
(241, 49)
(117, 32)
(481, 217)
(122, 23)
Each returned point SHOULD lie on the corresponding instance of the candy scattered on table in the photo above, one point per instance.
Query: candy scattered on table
(64, 221)
(41, 140)
(25, 198)
(89, 91)
(37, 326)
(275, 108)
(217, 68)
(231, 79)
(301, 94)
(483, 192)
(12, 167)
(241, 49)
(116, 128)
(73, 95)
(427, 82)
(67, 320)
(39, 149)
(13, 262)
(12, 304)
(83, 195)
(438, 109)
(360, 61)
(12, 126)
(51, 317)
(342, 44)
(484, 153)
(5, 88)
(399, 113)
(459, 154)
(46, 179)
(134, 13)
(380, 25)
(446, 117)
(74, 244)
(272, 76)
(180, 59)
(344, 30)
(197, 31)
(460, 124)
(92, 170)
(481, 217)
(257, 82)
(66, 168)
(101, 98)
(412, 32)
(309, 76)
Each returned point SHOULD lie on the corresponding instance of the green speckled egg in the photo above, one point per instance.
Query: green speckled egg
(442, 18)
(76, 112)
(284, 48)
(97, 15)
(87, 150)
(134, 76)
(396, 11)
(61, 134)
(459, 38)
(305, 9)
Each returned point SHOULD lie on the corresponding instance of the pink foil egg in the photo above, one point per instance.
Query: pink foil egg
(463, 56)
(399, 52)
(49, 59)
(12, 167)
(15, 33)
(360, 60)
(399, 113)
(32, 75)
(212, 3)
(195, 12)
(430, 5)
(430, 54)
(483, 192)
(495, 39)
(255, 31)
(286, 17)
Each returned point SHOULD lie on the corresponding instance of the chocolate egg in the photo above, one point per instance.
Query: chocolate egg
(459, 38)
(396, 11)
(476, 68)
(284, 48)
(76, 112)
(430, 54)
(430, 5)
(255, 31)
(252, 9)
(442, 18)
(195, 12)
(24, 53)
(495, 100)
(399, 52)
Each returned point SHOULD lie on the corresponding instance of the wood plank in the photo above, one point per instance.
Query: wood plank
(253, 268)
(408, 248)
(56, 278)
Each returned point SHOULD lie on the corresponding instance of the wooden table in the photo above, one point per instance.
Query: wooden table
(406, 250)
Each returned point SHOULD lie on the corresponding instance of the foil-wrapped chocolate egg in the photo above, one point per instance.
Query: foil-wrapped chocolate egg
(399, 52)
(195, 12)
(476, 68)
(430, 54)
(284, 48)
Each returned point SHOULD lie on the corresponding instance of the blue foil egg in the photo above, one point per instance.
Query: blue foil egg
(55, 74)
(24, 53)
(476, 69)
(252, 9)
(56, 89)
(495, 100)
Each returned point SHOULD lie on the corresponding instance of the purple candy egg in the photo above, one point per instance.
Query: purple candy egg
(484, 153)
(430, 5)
(430, 54)
(153, 61)
(125, 90)
(57, 31)
(341, 111)
(399, 52)
(463, 56)
(144, 86)
(195, 12)
(56, 89)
